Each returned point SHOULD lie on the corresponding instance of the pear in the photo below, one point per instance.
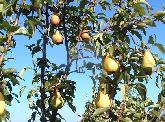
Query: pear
(110, 65)
(1, 58)
(2, 104)
(148, 62)
(55, 20)
(57, 38)
(85, 35)
(103, 100)
(57, 101)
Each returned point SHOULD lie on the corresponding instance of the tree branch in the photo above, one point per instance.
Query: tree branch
(43, 68)
(39, 30)
(66, 40)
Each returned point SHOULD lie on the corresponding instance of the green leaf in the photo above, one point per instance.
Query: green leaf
(137, 34)
(99, 111)
(104, 4)
(83, 3)
(5, 25)
(6, 8)
(150, 22)
(31, 26)
(9, 70)
(21, 73)
(101, 15)
(2, 49)
(139, 9)
(157, 81)
(33, 116)
(160, 47)
(141, 88)
(21, 31)
(126, 77)
(116, 1)
(22, 89)
(72, 107)
(13, 80)
(111, 50)
(163, 20)
(127, 39)
(143, 2)
(159, 14)
(89, 65)
(151, 40)
(13, 28)
(127, 119)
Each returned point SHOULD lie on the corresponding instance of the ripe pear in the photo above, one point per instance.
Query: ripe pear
(2, 104)
(85, 35)
(55, 20)
(148, 62)
(103, 100)
(110, 65)
(57, 100)
(1, 58)
(57, 38)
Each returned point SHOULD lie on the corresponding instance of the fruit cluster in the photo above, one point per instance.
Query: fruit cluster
(110, 65)
(57, 37)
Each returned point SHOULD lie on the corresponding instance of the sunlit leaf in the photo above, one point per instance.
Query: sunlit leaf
(99, 111)
(139, 9)
(160, 47)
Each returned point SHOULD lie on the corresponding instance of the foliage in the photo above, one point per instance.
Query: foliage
(119, 34)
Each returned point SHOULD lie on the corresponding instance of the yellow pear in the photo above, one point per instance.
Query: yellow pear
(55, 20)
(110, 65)
(2, 104)
(103, 100)
(57, 101)
(1, 58)
(85, 35)
(148, 62)
(57, 38)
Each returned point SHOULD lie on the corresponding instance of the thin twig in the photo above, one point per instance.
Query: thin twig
(39, 31)
(136, 43)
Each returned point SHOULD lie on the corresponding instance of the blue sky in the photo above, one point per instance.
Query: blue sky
(20, 112)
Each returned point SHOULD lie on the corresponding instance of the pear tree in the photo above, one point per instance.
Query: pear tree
(110, 32)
